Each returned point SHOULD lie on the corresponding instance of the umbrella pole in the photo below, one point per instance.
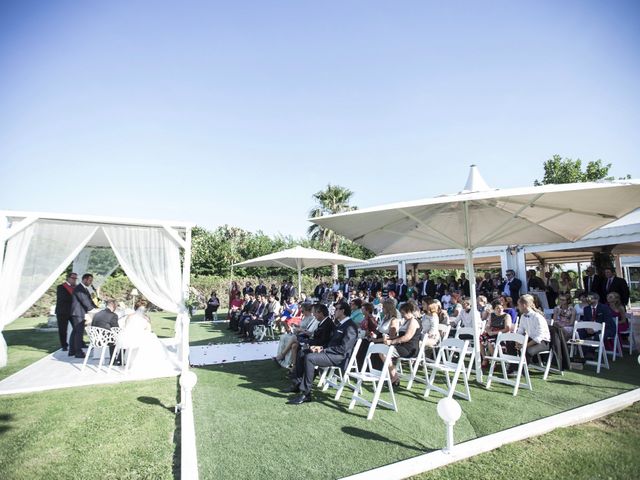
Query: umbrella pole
(474, 312)
(472, 291)
(299, 277)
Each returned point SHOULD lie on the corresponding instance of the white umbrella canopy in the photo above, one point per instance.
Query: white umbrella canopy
(299, 258)
(480, 216)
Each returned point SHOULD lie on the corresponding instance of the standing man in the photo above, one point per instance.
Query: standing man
(614, 284)
(552, 289)
(511, 286)
(401, 291)
(81, 303)
(426, 288)
(64, 293)
(592, 282)
(261, 289)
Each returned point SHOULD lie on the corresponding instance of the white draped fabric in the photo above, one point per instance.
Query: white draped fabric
(33, 259)
(151, 260)
(98, 261)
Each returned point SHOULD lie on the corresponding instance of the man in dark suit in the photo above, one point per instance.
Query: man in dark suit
(248, 289)
(318, 292)
(598, 312)
(401, 291)
(107, 319)
(511, 286)
(463, 285)
(81, 303)
(261, 289)
(612, 283)
(592, 282)
(338, 349)
(439, 288)
(426, 288)
(64, 293)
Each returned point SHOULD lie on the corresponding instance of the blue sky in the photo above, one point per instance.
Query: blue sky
(237, 112)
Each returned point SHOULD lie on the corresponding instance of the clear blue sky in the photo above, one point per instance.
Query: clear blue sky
(237, 112)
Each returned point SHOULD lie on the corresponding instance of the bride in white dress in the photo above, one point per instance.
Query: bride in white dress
(145, 351)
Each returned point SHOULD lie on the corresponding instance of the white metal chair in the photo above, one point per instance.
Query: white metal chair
(545, 367)
(631, 341)
(499, 356)
(598, 345)
(450, 348)
(262, 331)
(336, 377)
(377, 377)
(98, 338)
(126, 347)
(471, 351)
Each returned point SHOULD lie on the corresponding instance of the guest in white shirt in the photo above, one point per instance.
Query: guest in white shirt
(533, 324)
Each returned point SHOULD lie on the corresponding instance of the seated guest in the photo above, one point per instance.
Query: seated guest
(336, 351)
(211, 312)
(356, 311)
(388, 324)
(599, 312)
(107, 319)
(618, 311)
(289, 310)
(289, 343)
(407, 341)
(465, 319)
(249, 307)
(499, 321)
(369, 328)
(259, 317)
(564, 315)
(235, 308)
(507, 305)
(533, 323)
(583, 302)
(429, 322)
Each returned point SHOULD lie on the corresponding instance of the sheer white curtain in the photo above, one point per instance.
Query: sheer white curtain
(98, 261)
(33, 259)
(151, 259)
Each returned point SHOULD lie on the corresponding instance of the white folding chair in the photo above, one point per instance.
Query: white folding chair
(617, 343)
(514, 325)
(450, 348)
(471, 351)
(520, 359)
(631, 341)
(422, 359)
(336, 377)
(377, 377)
(98, 338)
(598, 345)
(262, 331)
(545, 367)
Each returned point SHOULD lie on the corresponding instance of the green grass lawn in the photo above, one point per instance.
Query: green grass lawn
(239, 407)
(603, 449)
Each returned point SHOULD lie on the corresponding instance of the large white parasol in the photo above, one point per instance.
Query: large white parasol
(480, 216)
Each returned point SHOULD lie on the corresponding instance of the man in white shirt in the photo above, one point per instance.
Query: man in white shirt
(533, 324)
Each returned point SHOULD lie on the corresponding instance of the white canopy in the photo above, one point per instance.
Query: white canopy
(299, 258)
(479, 216)
(40, 246)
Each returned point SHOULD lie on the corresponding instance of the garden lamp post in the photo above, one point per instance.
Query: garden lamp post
(449, 411)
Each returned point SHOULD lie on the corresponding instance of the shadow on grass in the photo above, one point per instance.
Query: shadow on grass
(219, 334)
(154, 401)
(368, 435)
(5, 418)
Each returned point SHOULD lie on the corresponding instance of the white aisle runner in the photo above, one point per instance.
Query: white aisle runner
(58, 370)
(216, 354)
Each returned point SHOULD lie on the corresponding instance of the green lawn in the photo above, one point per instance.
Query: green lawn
(239, 407)
(602, 449)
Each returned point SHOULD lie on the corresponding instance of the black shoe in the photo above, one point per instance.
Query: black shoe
(64, 349)
(300, 399)
(72, 354)
(80, 355)
(291, 389)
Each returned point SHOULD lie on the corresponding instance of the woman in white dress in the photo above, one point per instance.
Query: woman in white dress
(145, 351)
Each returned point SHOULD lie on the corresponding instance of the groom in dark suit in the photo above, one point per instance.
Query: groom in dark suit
(107, 319)
(81, 303)
(338, 349)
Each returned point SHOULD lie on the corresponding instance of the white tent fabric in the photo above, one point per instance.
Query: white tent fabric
(157, 272)
(99, 261)
(34, 258)
(39, 247)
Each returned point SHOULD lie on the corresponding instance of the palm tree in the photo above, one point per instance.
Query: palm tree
(334, 199)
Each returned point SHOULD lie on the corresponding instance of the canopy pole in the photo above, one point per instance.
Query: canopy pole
(472, 292)
(299, 262)
(3, 239)
(186, 282)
